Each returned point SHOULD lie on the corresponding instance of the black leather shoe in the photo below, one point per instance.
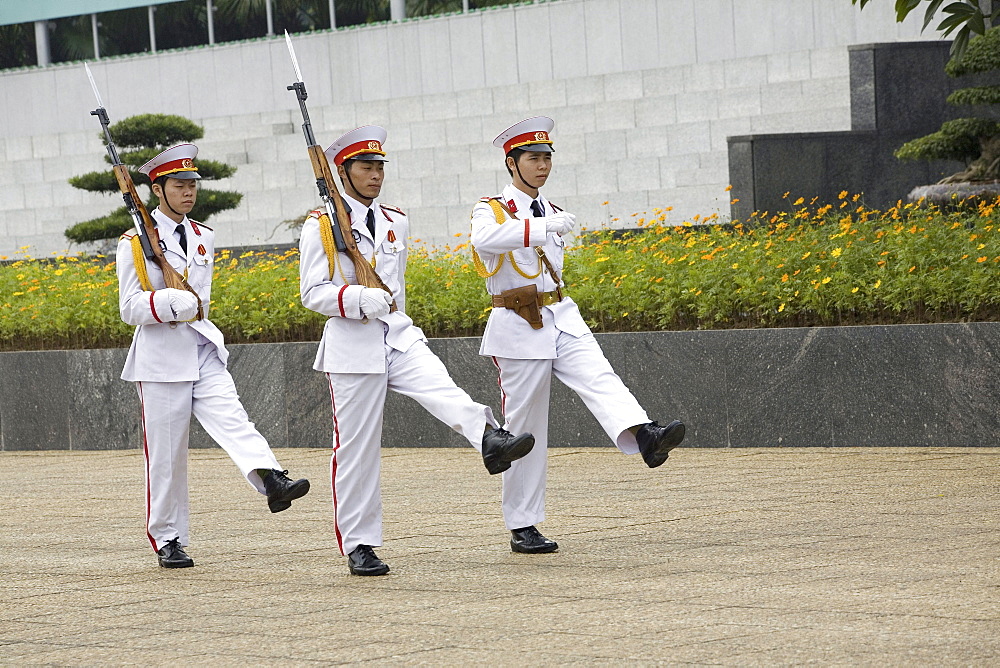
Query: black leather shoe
(500, 448)
(281, 491)
(656, 442)
(172, 555)
(363, 561)
(530, 541)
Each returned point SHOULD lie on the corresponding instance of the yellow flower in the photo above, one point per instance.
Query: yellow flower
(853, 290)
(602, 259)
(836, 252)
(982, 259)
(842, 195)
(807, 254)
(878, 284)
(784, 279)
(826, 280)
(799, 201)
(736, 265)
(782, 307)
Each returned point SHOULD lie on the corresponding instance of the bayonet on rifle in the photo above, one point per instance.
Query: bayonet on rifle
(145, 228)
(336, 212)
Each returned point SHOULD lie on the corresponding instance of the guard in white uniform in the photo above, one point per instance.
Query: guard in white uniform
(535, 330)
(178, 362)
(370, 345)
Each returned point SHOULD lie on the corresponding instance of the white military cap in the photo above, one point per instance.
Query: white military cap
(531, 134)
(364, 143)
(177, 162)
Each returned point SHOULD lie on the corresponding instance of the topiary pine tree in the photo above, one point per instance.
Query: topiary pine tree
(973, 140)
(138, 139)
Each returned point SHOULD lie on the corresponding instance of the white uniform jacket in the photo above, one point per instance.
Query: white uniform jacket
(508, 334)
(162, 352)
(348, 344)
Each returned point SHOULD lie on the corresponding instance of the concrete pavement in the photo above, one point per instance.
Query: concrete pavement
(773, 556)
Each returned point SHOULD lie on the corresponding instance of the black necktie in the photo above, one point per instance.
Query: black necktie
(536, 209)
(371, 222)
(184, 240)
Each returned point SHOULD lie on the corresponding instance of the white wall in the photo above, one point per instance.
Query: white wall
(644, 94)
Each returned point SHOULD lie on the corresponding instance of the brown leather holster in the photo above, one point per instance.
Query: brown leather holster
(522, 301)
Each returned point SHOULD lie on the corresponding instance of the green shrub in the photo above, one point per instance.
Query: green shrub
(828, 265)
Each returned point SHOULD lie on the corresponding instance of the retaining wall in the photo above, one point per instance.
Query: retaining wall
(901, 385)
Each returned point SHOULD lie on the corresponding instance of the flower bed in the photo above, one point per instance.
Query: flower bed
(839, 263)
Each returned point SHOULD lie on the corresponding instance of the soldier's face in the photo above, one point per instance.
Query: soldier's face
(366, 177)
(534, 168)
(181, 194)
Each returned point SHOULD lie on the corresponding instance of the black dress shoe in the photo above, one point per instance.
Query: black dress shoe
(656, 442)
(530, 541)
(363, 561)
(500, 448)
(281, 491)
(172, 555)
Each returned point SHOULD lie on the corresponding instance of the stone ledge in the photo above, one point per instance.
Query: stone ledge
(894, 385)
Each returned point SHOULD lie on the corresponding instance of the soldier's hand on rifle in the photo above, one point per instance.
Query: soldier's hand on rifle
(375, 302)
(559, 223)
(183, 304)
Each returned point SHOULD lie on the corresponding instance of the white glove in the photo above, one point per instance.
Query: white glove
(183, 304)
(375, 302)
(559, 223)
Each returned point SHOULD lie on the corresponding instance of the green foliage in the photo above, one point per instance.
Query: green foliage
(975, 95)
(982, 55)
(830, 265)
(965, 18)
(98, 182)
(140, 138)
(110, 226)
(213, 201)
(151, 130)
(956, 140)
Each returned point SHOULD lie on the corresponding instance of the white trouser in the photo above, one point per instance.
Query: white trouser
(166, 417)
(524, 385)
(358, 405)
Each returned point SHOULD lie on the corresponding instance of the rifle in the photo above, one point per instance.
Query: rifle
(336, 212)
(145, 228)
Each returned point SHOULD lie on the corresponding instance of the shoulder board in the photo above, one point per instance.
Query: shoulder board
(126, 236)
(555, 206)
(393, 208)
(200, 224)
(319, 213)
(487, 199)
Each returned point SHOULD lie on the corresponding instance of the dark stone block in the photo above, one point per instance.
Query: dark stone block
(774, 387)
(104, 409)
(898, 93)
(260, 370)
(306, 398)
(35, 400)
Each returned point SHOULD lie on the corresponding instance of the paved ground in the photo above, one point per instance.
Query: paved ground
(732, 557)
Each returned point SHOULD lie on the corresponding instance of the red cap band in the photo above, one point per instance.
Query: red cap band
(172, 167)
(540, 137)
(367, 146)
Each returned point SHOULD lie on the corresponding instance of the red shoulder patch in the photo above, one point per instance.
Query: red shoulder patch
(393, 208)
(127, 236)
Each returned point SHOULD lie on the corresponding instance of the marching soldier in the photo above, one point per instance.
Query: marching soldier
(178, 362)
(370, 345)
(535, 331)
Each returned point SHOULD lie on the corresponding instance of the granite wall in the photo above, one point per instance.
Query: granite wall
(898, 92)
(902, 385)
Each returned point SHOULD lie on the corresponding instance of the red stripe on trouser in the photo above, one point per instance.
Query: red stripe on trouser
(503, 395)
(145, 456)
(527, 233)
(333, 467)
